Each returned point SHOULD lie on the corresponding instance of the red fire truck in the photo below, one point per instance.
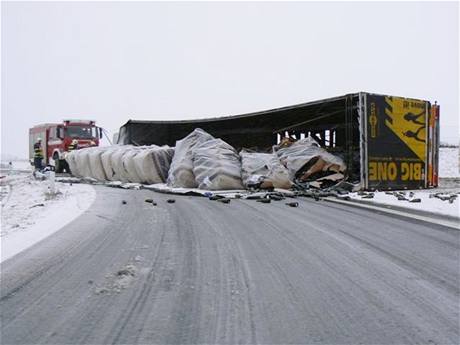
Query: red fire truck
(56, 138)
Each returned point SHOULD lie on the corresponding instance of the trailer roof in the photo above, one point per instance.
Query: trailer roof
(257, 113)
(255, 129)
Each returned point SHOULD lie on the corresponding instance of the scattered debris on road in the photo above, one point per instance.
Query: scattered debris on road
(264, 200)
(451, 197)
(293, 204)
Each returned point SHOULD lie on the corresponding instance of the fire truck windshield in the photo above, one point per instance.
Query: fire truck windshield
(79, 132)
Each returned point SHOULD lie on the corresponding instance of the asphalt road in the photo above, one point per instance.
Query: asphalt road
(198, 271)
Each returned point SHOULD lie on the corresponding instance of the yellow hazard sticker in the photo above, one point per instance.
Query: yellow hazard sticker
(407, 119)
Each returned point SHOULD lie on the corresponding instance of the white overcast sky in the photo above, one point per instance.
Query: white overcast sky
(112, 61)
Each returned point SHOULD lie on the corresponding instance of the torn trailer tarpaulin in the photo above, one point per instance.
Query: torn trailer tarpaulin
(232, 194)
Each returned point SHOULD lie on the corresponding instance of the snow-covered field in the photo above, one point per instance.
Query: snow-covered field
(29, 214)
(449, 162)
(16, 165)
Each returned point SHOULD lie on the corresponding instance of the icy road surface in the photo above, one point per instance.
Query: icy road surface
(199, 271)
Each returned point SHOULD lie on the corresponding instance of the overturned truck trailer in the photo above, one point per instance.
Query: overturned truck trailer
(387, 142)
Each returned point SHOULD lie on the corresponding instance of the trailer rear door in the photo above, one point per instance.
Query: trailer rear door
(396, 142)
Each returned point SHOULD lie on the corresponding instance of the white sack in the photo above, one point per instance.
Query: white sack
(216, 166)
(152, 164)
(71, 158)
(95, 162)
(129, 166)
(106, 159)
(113, 163)
(181, 169)
(117, 160)
(82, 161)
(301, 152)
(263, 168)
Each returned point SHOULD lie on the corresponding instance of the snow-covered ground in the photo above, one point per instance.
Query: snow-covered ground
(449, 161)
(23, 165)
(427, 203)
(29, 214)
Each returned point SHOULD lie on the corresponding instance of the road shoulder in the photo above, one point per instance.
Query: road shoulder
(421, 215)
(30, 215)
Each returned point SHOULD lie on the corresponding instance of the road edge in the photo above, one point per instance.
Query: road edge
(428, 217)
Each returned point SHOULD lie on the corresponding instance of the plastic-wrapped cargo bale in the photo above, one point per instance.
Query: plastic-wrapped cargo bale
(118, 167)
(152, 164)
(263, 170)
(181, 169)
(305, 158)
(87, 162)
(217, 166)
(82, 161)
(129, 165)
(129, 171)
(71, 158)
(106, 159)
(95, 163)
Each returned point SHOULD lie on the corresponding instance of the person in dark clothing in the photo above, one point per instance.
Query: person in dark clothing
(38, 154)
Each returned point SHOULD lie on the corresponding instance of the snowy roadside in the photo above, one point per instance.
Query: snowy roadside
(428, 202)
(28, 215)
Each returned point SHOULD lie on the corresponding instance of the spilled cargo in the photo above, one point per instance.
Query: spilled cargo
(201, 161)
(358, 141)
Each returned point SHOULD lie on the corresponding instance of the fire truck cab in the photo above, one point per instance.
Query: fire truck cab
(56, 138)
